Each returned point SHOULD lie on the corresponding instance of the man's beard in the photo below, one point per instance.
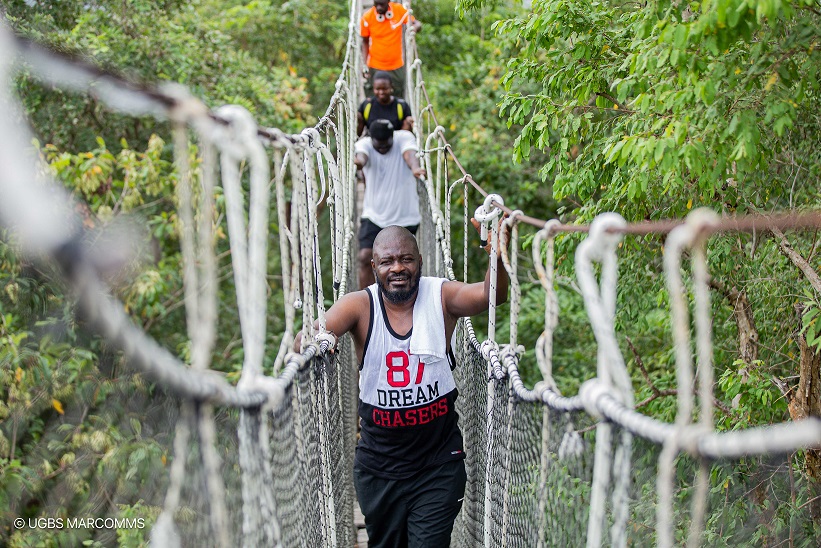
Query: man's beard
(400, 295)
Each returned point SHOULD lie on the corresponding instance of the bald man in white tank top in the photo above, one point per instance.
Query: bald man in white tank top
(409, 470)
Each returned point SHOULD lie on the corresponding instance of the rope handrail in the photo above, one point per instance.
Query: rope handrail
(317, 174)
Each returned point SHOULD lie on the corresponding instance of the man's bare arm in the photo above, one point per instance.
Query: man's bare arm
(360, 123)
(460, 299)
(344, 316)
(413, 163)
(366, 44)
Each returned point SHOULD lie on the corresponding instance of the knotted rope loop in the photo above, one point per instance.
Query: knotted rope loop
(545, 273)
(186, 109)
(510, 237)
(249, 249)
(234, 138)
(702, 220)
(591, 392)
(692, 235)
(509, 362)
(600, 302)
(488, 349)
(313, 142)
(547, 234)
(487, 212)
(600, 299)
(327, 340)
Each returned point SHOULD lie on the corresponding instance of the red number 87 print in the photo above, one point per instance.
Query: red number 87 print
(398, 364)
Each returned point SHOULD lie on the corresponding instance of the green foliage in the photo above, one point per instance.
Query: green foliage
(754, 397)
(153, 41)
(70, 424)
(650, 110)
(670, 105)
(810, 326)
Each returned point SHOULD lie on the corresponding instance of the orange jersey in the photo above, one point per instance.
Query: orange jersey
(385, 49)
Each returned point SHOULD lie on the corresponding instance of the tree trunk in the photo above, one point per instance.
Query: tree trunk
(743, 313)
(806, 402)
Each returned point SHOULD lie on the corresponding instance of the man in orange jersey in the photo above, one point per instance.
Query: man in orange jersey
(382, 29)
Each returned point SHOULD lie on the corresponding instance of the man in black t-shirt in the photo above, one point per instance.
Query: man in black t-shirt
(384, 106)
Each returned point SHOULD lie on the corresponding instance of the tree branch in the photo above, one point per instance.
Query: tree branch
(799, 261)
(661, 393)
(743, 313)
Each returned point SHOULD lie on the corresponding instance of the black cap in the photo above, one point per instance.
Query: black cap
(381, 130)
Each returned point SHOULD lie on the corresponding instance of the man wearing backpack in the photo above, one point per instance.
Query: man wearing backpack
(384, 106)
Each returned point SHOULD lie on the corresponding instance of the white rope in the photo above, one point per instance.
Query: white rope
(164, 533)
(449, 202)
(545, 273)
(600, 302)
(510, 260)
(544, 356)
(679, 239)
(486, 214)
(34, 209)
(682, 237)
(314, 147)
(702, 218)
(200, 303)
(249, 253)
(609, 397)
(288, 282)
(212, 467)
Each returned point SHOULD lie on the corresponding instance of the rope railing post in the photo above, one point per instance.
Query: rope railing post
(288, 281)
(702, 218)
(677, 241)
(486, 214)
(544, 356)
(510, 259)
(600, 302)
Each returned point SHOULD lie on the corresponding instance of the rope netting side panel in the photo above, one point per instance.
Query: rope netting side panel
(274, 467)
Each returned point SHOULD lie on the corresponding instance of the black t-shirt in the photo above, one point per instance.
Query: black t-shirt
(396, 111)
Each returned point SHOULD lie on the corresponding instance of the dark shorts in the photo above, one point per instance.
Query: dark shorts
(369, 230)
(417, 512)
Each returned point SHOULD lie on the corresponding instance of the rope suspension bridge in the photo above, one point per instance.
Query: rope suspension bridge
(268, 461)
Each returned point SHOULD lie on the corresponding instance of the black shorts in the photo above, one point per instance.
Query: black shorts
(369, 230)
(417, 512)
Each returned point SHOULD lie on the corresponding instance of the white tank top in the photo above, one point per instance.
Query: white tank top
(409, 421)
